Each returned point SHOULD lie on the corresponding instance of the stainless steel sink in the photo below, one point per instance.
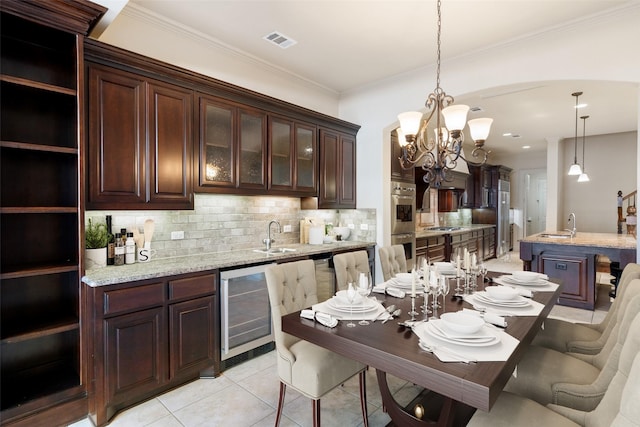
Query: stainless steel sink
(556, 235)
(274, 251)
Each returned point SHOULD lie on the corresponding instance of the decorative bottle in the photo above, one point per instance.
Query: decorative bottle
(119, 250)
(111, 243)
(130, 249)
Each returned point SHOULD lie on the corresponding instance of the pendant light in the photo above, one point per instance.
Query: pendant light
(583, 176)
(575, 167)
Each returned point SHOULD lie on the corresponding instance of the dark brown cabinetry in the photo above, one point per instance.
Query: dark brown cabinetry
(292, 156)
(42, 359)
(140, 145)
(337, 187)
(575, 273)
(150, 336)
(232, 147)
(432, 248)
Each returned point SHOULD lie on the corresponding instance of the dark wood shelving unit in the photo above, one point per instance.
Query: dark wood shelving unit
(43, 378)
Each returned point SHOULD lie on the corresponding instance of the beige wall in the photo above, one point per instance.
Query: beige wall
(611, 165)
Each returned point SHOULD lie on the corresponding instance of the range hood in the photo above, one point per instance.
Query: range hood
(458, 182)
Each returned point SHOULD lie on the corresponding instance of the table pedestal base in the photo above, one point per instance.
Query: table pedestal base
(446, 411)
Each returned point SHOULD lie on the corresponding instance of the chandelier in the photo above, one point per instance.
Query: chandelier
(439, 155)
(575, 168)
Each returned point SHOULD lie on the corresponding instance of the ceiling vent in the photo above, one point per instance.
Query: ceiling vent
(476, 109)
(280, 39)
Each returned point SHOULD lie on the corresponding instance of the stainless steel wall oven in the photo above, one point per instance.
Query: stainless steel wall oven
(403, 218)
(403, 207)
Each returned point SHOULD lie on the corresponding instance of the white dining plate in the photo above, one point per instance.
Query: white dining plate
(439, 328)
(362, 307)
(512, 280)
(483, 298)
(433, 333)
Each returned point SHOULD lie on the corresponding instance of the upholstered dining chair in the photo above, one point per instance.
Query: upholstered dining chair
(585, 338)
(348, 267)
(392, 261)
(575, 380)
(618, 407)
(311, 370)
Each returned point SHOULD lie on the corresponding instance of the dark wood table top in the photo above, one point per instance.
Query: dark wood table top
(394, 349)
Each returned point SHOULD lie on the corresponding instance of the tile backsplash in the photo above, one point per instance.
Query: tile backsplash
(228, 222)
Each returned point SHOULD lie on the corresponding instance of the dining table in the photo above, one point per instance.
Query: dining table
(392, 349)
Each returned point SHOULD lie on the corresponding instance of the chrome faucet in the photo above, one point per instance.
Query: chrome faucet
(268, 241)
(573, 230)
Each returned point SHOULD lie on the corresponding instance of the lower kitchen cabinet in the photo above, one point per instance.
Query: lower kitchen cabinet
(432, 248)
(149, 336)
(576, 272)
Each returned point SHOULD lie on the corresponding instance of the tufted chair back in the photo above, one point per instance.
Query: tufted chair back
(392, 261)
(631, 271)
(348, 267)
(292, 287)
(310, 369)
(627, 308)
(622, 386)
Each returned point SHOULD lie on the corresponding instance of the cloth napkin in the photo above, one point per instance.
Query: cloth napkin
(322, 318)
(492, 318)
(386, 288)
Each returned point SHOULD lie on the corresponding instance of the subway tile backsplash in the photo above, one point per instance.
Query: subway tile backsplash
(229, 222)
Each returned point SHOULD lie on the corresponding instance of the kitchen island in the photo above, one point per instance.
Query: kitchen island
(572, 259)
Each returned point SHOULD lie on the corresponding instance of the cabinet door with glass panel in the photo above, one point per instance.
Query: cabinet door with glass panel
(292, 156)
(232, 147)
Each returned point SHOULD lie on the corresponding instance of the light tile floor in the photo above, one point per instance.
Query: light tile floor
(246, 395)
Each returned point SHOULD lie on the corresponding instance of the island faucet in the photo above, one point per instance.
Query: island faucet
(268, 241)
(572, 230)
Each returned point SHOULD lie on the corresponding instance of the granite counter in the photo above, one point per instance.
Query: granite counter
(209, 261)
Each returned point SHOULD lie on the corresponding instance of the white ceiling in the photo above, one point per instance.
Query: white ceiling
(350, 44)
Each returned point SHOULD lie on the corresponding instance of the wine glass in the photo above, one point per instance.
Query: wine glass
(364, 289)
(444, 289)
(351, 296)
(483, 270)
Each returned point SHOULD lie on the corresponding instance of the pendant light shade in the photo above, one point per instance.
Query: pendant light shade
(575, 169)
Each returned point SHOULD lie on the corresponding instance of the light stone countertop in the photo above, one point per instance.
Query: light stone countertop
(463, 229)
(163, 267)
(603, 240)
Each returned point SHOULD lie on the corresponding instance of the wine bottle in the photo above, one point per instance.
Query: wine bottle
(111, 243)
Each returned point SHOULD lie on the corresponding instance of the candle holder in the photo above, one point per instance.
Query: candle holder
(413, 313)
(425, 308)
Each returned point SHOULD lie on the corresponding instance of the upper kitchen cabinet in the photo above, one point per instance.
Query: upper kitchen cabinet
(397, 172)
(337, 188)
(232, 147)
(292, 157)
(43, 363)
(140, 144)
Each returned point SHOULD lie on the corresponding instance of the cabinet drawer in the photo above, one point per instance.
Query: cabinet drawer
(135, 298)
(192, 287)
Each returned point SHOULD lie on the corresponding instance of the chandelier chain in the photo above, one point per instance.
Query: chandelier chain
(438, 90)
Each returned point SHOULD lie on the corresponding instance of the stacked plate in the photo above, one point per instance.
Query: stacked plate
(445, 268)
(486, 299)
(402, 281)
(438, 329)
(522, 279)
(341, 303)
